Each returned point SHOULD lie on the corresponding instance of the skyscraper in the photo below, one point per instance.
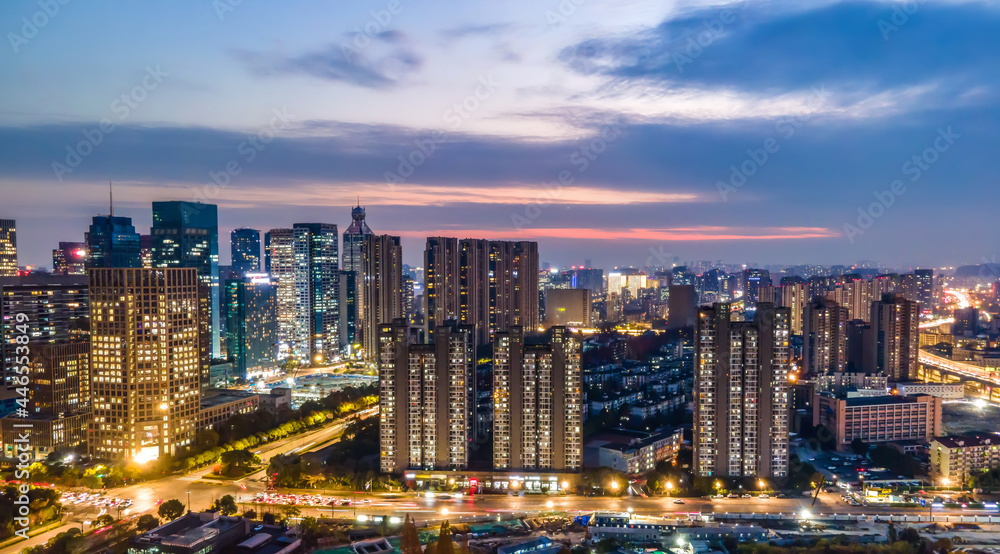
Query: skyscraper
(8, 248)
(924, 282)
(113, 242)
(753, 280)
(741, 393)
(146, 356)
(353, 287)
(514, 293)
(537, 402)
(186, 234)
(824, 337)
(424, 405)
(794, 296)
(245, 250)
(682, 303)
(383, 287)
(895, 323)
(70, 259)
(252, 325)
(304, 262)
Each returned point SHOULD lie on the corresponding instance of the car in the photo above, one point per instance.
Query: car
(747, 496)
(765, 495)
(732, 495)
(781, 495)
(718, 496)
(678, 501)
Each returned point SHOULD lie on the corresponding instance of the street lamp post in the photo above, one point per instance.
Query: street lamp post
(189, 500)
(670, 486)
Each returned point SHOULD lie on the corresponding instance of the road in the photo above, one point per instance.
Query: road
(959, 368)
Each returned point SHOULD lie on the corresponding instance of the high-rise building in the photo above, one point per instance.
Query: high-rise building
(513, 286)
(304, 262)
(8, 248)
(924, 283)
(252, 325)
(794, 296)
(860, 347)
(146, 361)
(113, 242)
(383, 287)
(741, 398)
(824, 337)
(966, 321)
(537, 402)
(350, 317)
(895, 324)
(186, 234)
(409, 308)
(146, 251)
(753, 280)
(353, 262)
(424, 402)
(681, 306)
(564, 307)
(57, 310)
(70, 259)
(245, 250)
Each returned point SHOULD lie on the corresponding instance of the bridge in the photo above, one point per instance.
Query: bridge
(986, 380)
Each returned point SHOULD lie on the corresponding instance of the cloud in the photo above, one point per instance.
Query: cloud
(379, 62)
(475, 30)
(627, 234)
(762, 49)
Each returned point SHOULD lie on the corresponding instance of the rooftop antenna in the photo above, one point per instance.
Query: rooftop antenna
(111, 198)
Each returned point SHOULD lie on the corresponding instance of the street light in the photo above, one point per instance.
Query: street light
(670, 487)
(614, 485)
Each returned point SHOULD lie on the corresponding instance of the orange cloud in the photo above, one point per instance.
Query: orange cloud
(671, 234)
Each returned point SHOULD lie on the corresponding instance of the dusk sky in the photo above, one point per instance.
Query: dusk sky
(460, 118)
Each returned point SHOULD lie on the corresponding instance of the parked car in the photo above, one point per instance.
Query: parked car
(678, 501)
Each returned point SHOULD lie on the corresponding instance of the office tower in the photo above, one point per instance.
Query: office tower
(382, 257)
(564, 307)
(304, 262)
(8, 248)
(753, 280)
(492, 285)
(590, 279)
(424, 404)
(113, 242)
(628, 280)
(924, 283)
(824, 337)
(252, 325)
(513, 285)
(966, 322)
(186, 234)
(681, 306)
(681, 276)
(245, 247)
(146, 361)
(280, 264)
(353, 256)
(537, 402)
(794, 296)
(57, 310)
(70, 259)
(146, 251)
(741, 393)
(896, 336)
(350, 316)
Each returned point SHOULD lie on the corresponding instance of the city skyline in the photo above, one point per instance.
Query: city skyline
(642, 110)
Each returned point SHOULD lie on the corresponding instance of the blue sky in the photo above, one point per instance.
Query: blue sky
(755, 132)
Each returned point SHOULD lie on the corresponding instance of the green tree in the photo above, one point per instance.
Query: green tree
(147, 522)
(893, 534)
(444, 543)
(609, 544)
(409, 538)
(859, 447)
(250, 514)
(171, 509)
(104, 521)
(238, 462)
(225, 505)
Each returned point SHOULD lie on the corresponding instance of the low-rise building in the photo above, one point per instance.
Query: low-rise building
(219, 405)
(878, 419)
(631, 528)
(197, 533)
(642, 454)
(957, 457)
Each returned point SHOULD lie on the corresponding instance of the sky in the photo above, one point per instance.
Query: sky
(623, 132)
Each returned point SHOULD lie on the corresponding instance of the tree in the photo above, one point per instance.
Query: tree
(409, 538)
(444, 543)
(238, 462)
(268, 518)
(859, 447)
(893, 534)
(604, 546)
(105, 520)
(909, 535)
(225, 505)
(171, 509)
(147, 522)
(250, 514)
(731, 543)
(206, 439)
